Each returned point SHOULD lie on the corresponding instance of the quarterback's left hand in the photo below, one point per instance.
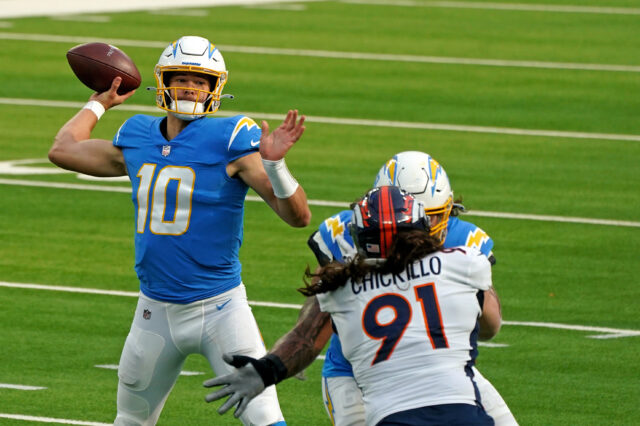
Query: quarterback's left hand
(274, 146)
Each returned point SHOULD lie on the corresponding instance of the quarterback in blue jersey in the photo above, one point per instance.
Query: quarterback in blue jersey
(419, 174)
(189, 175)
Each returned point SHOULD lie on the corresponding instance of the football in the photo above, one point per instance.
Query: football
(97, 64)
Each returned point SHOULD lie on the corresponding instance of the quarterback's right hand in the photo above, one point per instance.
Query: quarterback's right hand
(111, 98)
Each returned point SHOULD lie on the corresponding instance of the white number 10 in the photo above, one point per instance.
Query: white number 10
(159, 224)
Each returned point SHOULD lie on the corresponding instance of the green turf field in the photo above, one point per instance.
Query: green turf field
(531, 111)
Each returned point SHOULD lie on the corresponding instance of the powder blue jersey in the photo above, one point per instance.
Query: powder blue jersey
(332, 241)
(188, 211)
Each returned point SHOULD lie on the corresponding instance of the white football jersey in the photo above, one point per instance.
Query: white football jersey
(412, 337)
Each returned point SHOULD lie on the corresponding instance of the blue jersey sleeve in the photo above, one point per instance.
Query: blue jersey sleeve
(332, 240)
(244, 137)
(133, 130)
(463, 233)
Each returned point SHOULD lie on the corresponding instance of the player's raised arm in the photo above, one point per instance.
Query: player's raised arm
(72, 147)
(268, 175)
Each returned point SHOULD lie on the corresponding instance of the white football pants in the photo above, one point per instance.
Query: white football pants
(163, 334)
(343, 401)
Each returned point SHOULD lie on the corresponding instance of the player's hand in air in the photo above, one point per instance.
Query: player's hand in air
(274, 146)
(111, 98)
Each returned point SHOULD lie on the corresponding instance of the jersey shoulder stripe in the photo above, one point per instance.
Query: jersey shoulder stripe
(244, 136)
(463, 233)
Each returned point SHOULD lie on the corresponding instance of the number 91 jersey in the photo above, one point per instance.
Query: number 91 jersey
(189, 212)
(411, 338)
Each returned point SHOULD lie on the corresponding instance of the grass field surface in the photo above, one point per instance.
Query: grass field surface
(532, 110)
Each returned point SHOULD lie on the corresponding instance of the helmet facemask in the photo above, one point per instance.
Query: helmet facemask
(439, 218)
(167, 96)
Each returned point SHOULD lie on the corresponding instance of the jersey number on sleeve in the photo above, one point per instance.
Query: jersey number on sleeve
(391, 332)
(170, 199)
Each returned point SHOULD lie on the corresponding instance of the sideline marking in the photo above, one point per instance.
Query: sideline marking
(21, 387)
(50, 420)
(356, 122)
(606, 332)
(257, 50)
(503, 6)
(338, 204)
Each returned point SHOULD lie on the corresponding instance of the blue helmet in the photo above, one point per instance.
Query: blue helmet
(380, 215)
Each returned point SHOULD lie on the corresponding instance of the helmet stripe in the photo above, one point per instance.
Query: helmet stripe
(387, 220)
(381, 220)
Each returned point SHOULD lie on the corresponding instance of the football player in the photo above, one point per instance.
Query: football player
(406, 314)
(189, 175)
(420, 174)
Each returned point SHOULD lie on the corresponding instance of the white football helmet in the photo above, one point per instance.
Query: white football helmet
(424, 178)
(194, 55)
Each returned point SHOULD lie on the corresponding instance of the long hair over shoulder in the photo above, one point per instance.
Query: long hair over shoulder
(407, 247)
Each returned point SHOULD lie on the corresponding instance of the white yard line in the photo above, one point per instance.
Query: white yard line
(355, 121)
(20, 387)
(607, 333)
(23, 8)
(519, 7)
(50, 420)
(337, 204)
(604, 332)
(258, 50)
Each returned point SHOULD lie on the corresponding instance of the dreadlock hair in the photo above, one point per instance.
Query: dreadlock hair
(407, 247)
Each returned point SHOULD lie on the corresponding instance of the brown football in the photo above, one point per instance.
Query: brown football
(97, 64)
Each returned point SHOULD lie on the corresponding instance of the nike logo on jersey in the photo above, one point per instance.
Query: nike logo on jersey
(220, 307)
(254, 143)
(246, 125)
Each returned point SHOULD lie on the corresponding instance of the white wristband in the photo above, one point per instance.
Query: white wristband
(284, 185)
(96, 107)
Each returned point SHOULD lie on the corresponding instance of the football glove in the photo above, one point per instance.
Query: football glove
(248, 381)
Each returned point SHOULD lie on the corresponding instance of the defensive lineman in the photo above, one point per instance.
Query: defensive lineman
(406, 315)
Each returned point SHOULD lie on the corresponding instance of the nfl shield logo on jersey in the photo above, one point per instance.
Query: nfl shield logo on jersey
(146, 314)
(166, 150)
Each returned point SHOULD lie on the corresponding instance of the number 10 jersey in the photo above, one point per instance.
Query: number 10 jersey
(189, 212)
